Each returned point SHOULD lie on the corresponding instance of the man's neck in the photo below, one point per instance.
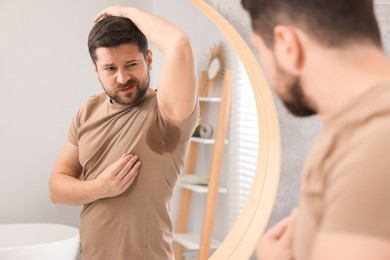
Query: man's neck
(336, 77)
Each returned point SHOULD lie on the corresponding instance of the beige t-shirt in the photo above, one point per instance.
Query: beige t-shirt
(346, 182)
(135, 224)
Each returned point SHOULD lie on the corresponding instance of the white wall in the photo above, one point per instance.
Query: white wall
(45, 75)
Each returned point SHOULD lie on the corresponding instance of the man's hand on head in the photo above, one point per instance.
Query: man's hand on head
(116, 10)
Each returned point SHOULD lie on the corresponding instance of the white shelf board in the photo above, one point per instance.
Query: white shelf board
(194, 179)
(191, 241)
(204, 140)
(199, 188)
(210, 99)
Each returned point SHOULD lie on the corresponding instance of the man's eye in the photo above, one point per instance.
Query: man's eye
(109, 68)
(131, 65)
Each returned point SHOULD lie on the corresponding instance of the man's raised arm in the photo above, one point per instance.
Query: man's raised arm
(177, 83)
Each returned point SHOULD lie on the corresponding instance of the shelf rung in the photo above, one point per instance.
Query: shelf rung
(205, 140)
(191, 241)
(199, 188)
(210, 99)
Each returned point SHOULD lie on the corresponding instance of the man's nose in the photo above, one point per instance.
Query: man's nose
(122, 77)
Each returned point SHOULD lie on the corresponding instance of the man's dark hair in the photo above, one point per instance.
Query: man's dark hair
(113, 31)
(331, 22)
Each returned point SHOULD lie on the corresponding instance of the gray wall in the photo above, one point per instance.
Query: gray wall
(382, 9)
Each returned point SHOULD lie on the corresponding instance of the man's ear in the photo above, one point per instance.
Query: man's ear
(288, 49)
(149, 59)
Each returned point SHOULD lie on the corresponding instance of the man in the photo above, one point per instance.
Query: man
(325, 57)
(126, 207)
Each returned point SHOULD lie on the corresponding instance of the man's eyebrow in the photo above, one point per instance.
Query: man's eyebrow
(114, 65)
(133, 60)
(109, 65)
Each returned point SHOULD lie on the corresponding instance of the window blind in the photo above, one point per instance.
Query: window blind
(243, 142)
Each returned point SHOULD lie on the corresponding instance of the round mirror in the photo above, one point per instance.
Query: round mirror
(242, 238)
(254, 216)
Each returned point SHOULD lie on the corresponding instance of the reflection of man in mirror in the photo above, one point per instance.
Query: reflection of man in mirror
(326, 57)
(126, 206)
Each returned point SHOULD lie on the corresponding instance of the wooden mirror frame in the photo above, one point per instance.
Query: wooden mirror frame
(251, 223)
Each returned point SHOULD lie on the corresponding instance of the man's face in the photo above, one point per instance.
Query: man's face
(286, 86)
(124, 73)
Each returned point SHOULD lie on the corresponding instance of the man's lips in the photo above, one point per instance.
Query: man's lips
(127, 89)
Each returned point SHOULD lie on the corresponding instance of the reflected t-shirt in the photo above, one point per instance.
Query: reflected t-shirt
(135, 224)
(346, 182)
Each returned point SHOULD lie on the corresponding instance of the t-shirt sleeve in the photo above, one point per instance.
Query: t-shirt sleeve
(357, 197)
(186, 126)
(73, 128)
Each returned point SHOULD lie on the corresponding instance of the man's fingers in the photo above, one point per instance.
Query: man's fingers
(127, 166)
(129, 170)
(115, 10)
(118, 165)
(127, 183)
(286, 238)
(276, 231)
(101, 15)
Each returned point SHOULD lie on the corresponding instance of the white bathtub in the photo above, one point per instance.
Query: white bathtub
(38, 241)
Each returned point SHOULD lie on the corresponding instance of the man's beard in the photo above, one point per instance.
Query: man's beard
(296, 102)
(134, 97)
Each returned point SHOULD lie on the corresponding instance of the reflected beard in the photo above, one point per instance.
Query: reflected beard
(133, 98)
(296, 103)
